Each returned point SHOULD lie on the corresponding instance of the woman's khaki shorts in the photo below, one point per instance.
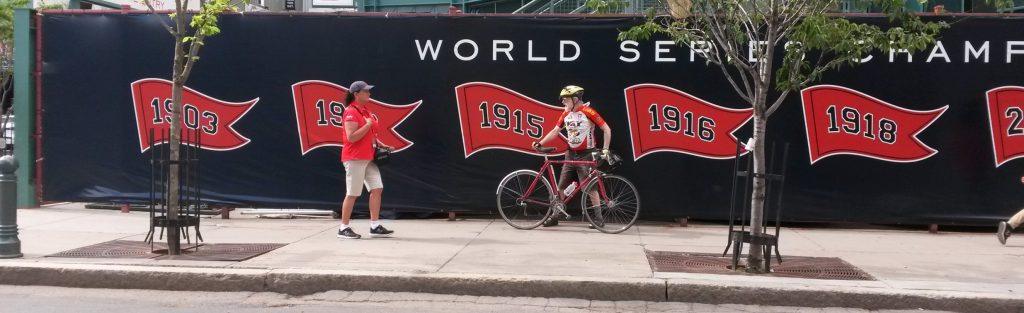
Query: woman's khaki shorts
(359, 173)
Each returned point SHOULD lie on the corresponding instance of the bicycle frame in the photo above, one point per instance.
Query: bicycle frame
(548, 169)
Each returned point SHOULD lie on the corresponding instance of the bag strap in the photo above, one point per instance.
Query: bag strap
(376, 137)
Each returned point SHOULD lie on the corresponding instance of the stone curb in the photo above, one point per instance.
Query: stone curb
(307, 282)
(304, 282)
(129, 277)
(842, 297)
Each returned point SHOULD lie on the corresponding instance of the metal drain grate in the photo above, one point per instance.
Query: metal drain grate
(792, 266)
(225, 252)
(120, 249)
(125, 249)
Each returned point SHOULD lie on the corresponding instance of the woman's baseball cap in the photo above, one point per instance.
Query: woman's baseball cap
(358, 86)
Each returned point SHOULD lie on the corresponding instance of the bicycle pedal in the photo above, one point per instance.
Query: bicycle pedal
(567, 216)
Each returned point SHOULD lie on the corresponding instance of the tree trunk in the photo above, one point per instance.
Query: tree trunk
(755, 259)
(173, 192)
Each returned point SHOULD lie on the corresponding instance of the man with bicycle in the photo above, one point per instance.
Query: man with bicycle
(579, 121)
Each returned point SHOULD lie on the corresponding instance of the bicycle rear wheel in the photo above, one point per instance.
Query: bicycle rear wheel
(520, 207)
(619, 204)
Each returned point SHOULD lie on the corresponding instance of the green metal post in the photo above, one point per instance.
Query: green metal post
(24, 105)
(10, 245)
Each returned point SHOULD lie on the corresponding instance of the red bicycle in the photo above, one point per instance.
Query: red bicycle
(611, 203)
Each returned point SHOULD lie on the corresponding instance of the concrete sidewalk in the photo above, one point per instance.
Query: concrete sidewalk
(966, 272)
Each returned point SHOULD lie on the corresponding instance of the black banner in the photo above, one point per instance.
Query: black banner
(923, 138)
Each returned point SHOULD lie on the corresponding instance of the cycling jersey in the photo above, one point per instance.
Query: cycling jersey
(579, 126)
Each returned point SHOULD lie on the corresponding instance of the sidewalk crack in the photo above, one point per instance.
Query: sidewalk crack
(643, 247)
(666, 290)
(464, 247)
(316, 233)
(801, 234)
(266, 281)
(55, 221)
(241, 263)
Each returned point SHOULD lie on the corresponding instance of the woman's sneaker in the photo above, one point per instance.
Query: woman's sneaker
(380, 231)
(1004, 232)
(347, 233)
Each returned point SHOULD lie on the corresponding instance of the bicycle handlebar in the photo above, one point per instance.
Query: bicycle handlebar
(545, 149)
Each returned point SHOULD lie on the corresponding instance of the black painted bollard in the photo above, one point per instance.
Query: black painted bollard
(10, 246)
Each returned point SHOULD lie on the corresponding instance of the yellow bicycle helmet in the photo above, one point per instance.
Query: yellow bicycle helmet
(571, 91)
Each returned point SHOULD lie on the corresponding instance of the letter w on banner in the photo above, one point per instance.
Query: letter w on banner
(495, 117)
(319, 106)
(840, 120)
(665, 119)
(213, 117)
(1005, 117)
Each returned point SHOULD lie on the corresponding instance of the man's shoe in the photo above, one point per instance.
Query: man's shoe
(380, 231)
(348, 234)
(599, 216)
(551, 221)
(1004, 232)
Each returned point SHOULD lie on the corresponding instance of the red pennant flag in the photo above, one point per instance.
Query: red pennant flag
(1005, 117)
(840, 120)
(665, 119)
(213, 117)
(495, 117)
(319, 106)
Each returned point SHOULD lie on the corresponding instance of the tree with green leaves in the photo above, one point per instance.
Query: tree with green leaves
(767, 49)
(189, 37)
(1005, 6)
(7, 52)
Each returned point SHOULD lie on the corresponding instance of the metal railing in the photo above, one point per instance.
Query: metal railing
(582, 7)
(7, 135)
(553, 7)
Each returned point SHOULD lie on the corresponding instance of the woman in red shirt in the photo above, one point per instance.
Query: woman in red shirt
(359, 143)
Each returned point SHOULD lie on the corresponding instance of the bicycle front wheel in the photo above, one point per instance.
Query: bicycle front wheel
(614, 209)
(520, 206)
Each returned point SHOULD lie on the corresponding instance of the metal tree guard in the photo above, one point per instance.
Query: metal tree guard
(189, 196)
(773, 190)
